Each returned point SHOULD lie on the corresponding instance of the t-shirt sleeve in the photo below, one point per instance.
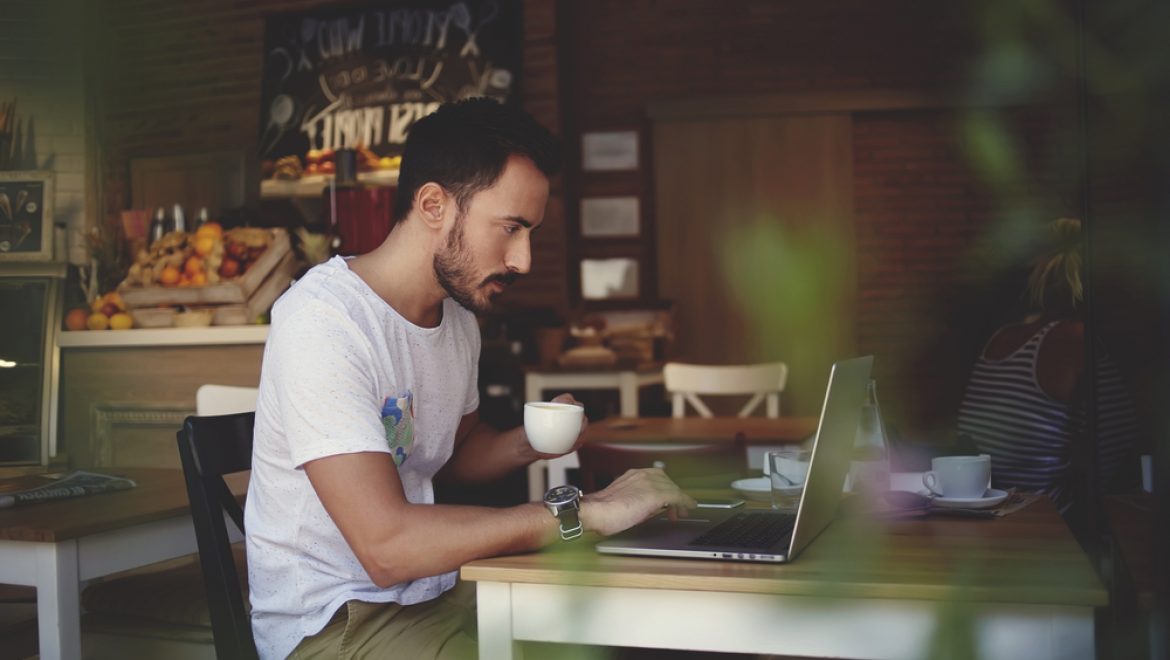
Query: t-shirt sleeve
(327, 392)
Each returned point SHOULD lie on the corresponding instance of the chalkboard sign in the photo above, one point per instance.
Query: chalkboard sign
(360, 76)
(26, 216)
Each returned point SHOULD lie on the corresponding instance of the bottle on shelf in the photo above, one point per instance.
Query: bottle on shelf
(158, 226)
(178, 219)
(869, 470)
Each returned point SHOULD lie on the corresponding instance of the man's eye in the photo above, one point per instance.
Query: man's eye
(511, 229)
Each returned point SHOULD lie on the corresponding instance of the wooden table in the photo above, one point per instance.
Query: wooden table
(56, 546)
(762, 434)
(1015, 587)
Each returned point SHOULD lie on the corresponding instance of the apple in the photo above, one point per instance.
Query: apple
(229, 268)
(327, 167)
(313, 157)
(235, 250)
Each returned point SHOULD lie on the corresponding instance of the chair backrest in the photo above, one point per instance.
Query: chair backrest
(209, 448)
(225, 399)
(690, 465)
(764, 382)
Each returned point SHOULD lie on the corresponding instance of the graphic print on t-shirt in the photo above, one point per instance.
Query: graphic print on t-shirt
(398, 420)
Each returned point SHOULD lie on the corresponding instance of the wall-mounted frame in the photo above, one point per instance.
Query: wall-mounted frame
(610, 279)
(610, 217)
(26, 216)
(609, 151)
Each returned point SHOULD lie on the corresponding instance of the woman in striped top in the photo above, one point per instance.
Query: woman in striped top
(1024, 403)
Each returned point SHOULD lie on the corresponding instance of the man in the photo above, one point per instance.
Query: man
(368, 392)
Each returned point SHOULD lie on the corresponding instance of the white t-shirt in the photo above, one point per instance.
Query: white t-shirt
(343, 373)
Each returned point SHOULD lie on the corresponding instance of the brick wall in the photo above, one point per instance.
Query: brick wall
(41, 65)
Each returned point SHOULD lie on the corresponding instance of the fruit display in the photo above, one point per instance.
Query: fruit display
(107, 312)
(206, 257)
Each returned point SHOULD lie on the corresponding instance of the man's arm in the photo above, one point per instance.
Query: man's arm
(483, 453)
(396, 540)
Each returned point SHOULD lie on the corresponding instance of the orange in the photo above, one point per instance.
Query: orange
(76, 318)
(169, 276)
(97, 321)
(121, 321)
(198, 279)
(193, 265)
(212, 229)
(204, 243)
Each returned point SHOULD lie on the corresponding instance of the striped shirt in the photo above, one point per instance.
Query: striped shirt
(1029, 434)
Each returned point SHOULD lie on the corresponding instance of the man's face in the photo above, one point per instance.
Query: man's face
(489, 245)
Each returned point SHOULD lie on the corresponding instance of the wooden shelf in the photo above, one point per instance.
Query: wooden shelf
(224, 334)
(313, 185)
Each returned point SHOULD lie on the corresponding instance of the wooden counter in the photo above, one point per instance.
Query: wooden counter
(124, 393)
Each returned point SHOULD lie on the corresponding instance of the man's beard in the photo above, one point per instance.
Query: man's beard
(454, 269)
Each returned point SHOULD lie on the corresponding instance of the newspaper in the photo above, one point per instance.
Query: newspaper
(74, 484)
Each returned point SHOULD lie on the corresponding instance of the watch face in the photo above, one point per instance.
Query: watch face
(561, 495)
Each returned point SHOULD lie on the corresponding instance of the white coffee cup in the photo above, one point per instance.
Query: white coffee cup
(552, 428)
(965, 477)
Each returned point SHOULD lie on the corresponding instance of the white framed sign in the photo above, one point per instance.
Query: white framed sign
(608, 217)
(614, 150)
(607, 279)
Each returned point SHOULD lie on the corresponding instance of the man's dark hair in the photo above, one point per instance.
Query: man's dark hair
(464, 146)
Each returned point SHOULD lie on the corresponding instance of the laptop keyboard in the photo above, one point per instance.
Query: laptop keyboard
(748, 530)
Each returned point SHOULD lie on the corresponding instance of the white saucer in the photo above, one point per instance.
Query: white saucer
(760, 489)
(992, 497)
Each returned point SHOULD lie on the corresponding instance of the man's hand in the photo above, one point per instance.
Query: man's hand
(533, 455)
(632, 498)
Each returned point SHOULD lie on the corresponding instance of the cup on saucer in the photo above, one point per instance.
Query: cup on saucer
(959, 477)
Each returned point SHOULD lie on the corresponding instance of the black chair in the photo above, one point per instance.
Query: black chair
(691, 465)
(211, 447)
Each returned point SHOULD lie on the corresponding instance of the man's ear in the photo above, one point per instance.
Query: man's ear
(432, 201)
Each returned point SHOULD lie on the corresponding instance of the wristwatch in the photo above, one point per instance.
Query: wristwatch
(564, 502)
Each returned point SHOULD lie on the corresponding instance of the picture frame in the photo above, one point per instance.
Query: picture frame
(610, 217)
(614, 278)
(609, 151)
(26, 215)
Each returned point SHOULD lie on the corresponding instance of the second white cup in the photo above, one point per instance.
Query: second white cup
(965, 477)
(552, 428)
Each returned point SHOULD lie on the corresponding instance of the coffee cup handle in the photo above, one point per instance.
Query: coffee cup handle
(930, 480)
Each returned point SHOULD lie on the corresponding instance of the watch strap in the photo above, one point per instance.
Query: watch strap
(570, 523)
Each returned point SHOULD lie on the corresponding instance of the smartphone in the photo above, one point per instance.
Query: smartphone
(719, 503)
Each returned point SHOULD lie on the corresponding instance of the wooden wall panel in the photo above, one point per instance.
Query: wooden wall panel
(756, 243)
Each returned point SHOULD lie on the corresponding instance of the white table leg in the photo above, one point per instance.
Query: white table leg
(628, 388)
(494, 618)
(58, 601)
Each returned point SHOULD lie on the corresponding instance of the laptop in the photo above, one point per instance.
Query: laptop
(766, 535)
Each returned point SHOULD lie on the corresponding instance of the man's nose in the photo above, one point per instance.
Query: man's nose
(519, 256)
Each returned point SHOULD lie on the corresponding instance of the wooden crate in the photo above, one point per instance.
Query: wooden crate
(238, 302)
(237, 291)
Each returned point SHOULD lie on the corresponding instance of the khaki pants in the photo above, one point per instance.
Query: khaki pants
(443, 629)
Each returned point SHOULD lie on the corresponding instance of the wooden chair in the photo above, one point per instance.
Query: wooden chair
(224, 399)
(211, 447)
(763, 382)
(163, 610)
(690, 465)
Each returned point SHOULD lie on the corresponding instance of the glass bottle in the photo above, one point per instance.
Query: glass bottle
(869, 471)
(158, 226)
